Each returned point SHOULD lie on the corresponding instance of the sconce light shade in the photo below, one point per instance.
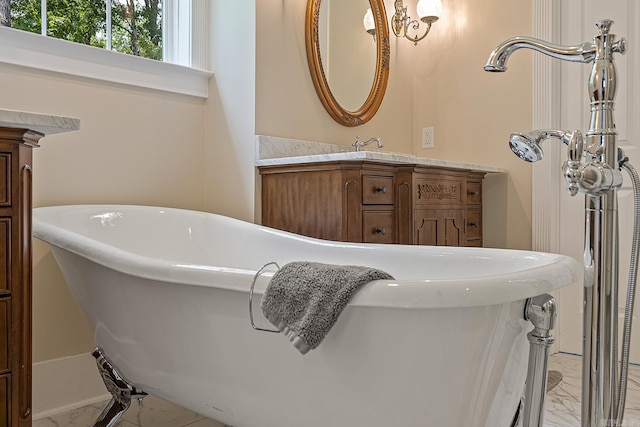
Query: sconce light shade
(429, 10)
(368, 22)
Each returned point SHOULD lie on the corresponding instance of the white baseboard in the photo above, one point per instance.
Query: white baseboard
(60, 385)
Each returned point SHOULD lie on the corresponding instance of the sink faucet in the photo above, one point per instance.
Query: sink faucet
(359, 144)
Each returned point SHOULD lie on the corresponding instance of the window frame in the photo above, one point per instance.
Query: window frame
(46, 53)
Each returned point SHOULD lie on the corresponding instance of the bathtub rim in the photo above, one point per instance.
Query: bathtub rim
(560, 271)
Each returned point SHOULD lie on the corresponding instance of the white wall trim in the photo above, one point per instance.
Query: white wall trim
(50, 54)
(546, 180)
(546, 176)
(60, 385)
(199, 34)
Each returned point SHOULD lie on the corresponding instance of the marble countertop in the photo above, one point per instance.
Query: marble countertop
(45, 124)
(272, 151)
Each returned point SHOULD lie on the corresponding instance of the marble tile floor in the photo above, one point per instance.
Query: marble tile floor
(562, 405)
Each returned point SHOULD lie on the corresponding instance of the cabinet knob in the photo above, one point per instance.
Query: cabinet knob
(473, 193)
(382, 189)
(381, 230)
(473, 224)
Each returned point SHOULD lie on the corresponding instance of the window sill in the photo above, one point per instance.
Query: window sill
(47, 53)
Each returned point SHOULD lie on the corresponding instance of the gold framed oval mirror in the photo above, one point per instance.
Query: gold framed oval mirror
(348, 57)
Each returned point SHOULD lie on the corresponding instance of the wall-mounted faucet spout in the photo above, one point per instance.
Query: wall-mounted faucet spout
(584, 52)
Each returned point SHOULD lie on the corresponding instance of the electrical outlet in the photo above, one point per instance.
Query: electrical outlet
(427, 137)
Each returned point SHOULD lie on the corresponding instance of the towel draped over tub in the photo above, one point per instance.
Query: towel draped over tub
(304, 299)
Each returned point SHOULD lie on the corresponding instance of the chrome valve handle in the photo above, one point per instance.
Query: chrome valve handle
(593, 178)
(572, 168)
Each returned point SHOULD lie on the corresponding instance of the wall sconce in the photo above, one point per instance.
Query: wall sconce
(428, 12)
(369, 23)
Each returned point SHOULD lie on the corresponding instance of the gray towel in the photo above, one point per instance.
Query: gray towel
(304, 299)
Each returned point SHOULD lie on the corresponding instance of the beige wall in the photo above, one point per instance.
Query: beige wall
(439, 83)
(135, 146)
(230, 112)
(473, 112)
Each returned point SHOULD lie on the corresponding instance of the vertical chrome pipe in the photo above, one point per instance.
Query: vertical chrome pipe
(541, 311)
(599, 363)
(600, 321)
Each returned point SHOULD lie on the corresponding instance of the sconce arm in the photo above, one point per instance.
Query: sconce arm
(416, 26)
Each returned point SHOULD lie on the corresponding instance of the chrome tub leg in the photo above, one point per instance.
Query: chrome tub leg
(541, 311)
(119, 388)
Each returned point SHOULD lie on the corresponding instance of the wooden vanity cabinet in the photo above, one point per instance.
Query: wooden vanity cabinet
(15, 275)
(343, 201)
(362, 201)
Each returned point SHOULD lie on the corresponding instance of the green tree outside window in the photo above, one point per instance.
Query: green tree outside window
(136, 24)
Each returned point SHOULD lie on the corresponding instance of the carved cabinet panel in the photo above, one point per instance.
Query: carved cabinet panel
(373, 202)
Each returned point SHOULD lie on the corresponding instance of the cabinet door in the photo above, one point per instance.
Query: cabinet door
(4, 400)
(439, 227)
(5, 328)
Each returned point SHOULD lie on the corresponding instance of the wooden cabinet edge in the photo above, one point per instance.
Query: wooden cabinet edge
(18, 144)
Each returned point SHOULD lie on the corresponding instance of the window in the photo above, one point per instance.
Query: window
(173, 31)
(128, 26)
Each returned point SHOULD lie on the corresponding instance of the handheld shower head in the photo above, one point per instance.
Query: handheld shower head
(526, 145)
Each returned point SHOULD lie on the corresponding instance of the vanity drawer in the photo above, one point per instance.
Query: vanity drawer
(5, 179)
(474, 225)
(377, 227)
(5, 255)
(474, 193)
(5, 327)
(377, 190)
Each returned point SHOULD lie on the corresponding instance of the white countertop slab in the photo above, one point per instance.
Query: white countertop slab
(45, 124)
(273, 151)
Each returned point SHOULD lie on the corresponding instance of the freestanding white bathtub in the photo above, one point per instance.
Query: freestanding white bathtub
(167, 290)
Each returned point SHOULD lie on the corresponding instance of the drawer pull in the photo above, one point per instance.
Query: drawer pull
(381, 230)
(473, 224)
(473, 193)
(382, 189)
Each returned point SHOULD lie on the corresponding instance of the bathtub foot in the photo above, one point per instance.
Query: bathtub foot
(541, 311)
(119, 388)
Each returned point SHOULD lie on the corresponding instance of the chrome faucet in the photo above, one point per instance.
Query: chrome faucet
(359, 144)
(584, 52)
(593, 168)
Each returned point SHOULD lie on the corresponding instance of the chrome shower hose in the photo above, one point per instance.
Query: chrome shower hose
(631, 292)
